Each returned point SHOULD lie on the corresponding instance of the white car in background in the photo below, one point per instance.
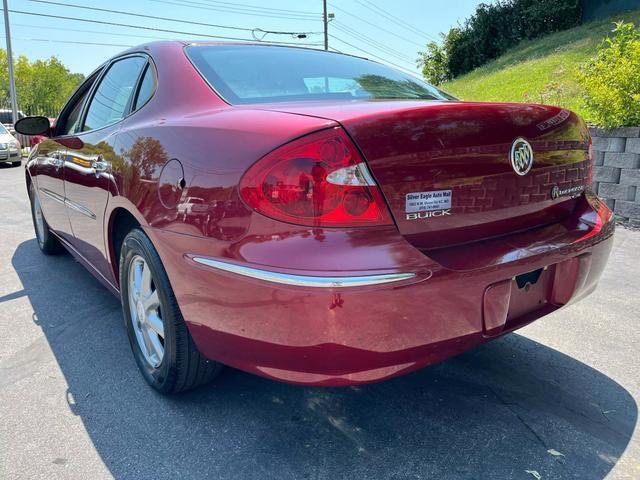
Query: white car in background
(10, 150)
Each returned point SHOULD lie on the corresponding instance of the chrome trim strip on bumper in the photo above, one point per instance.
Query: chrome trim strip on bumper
(304, 280)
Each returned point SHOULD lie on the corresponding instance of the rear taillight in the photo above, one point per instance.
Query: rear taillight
(603, 215)
(319, 180)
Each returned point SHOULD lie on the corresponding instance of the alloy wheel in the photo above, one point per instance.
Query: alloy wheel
(146, 312)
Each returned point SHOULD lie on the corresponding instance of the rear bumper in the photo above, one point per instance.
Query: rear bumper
(341, 334)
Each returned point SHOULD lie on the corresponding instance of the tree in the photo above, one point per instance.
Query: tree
(42, 86)
(433, 63)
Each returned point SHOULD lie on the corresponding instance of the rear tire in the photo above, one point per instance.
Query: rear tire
(161, 343)
(48, 243)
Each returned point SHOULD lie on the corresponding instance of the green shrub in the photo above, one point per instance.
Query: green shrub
(611, 80)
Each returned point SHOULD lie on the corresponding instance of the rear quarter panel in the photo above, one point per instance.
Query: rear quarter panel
(214, 148)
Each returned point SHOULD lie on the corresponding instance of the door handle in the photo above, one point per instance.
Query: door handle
(55, 160)
(100, 164)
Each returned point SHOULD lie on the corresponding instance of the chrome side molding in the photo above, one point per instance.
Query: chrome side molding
(68, 203)
(80, 209)
(52, 195)
(304, 280)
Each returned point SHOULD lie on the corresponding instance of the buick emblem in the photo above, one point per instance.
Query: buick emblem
(521, 156)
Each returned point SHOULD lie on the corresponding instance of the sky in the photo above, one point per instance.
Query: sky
(392, 32)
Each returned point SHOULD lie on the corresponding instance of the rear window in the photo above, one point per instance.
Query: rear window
(260, 74)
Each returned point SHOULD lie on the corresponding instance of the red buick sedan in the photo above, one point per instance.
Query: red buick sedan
(311, 217)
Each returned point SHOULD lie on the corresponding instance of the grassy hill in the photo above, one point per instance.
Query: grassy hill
(538, 71)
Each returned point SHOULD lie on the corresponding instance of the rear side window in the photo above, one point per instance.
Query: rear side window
(147, 86)
(259, 73)
(111, 98)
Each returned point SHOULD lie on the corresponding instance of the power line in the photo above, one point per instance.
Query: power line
(384, 60)
(359, 36)
(66, 29)
(72, 42)
(249, 9)
(153, 17)
(398, 21)
(381, 52)
(257, 7)
(140, 27)
(377, 26)
(240, 11)
(141, 15)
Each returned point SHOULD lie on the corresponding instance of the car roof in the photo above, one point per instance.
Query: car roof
(159, 44)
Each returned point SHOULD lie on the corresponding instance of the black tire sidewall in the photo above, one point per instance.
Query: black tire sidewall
(41, 241)
(137, 243)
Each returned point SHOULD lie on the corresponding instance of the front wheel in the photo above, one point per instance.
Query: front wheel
(49, 245)
(162, 346)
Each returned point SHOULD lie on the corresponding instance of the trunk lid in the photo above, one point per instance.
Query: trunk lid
(446, 170)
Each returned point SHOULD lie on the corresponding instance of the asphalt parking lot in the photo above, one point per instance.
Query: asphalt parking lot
(556, 400)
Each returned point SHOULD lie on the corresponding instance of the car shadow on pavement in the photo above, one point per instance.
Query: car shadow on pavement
(4, 165)
(509, 409)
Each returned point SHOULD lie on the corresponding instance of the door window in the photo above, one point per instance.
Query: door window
(73, 119)
(111, 99)
(147, 86)
(68, 121)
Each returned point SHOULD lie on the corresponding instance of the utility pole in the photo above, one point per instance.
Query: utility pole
(325, 19)
(12, 80)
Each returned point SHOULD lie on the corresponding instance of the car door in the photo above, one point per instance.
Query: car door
(49, 158)
(88, 162)
(50, 183)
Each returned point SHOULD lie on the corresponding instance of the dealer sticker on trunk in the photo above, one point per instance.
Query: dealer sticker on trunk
(428, 201)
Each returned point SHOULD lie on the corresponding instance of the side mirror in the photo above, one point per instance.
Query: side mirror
(33, 126)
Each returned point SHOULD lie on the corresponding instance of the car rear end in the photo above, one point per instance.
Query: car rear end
(406, 232)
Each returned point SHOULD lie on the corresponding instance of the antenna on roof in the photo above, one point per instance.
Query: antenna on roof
(259, 34)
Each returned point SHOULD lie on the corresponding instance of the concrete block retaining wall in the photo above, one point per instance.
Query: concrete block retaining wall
(616, 174)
